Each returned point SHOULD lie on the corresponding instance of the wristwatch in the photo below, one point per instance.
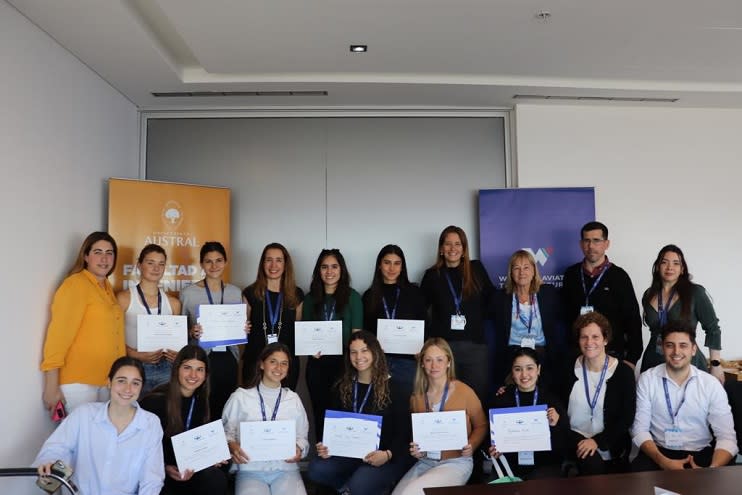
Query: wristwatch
(715, 363)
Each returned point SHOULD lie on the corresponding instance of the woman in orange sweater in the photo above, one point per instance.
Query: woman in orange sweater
(436, 389)
(86, 331)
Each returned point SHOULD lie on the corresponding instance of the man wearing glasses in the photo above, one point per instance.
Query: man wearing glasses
(597, 284)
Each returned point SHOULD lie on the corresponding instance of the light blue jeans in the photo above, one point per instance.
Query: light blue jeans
(269, 483)
(428, 473)
(156, 374)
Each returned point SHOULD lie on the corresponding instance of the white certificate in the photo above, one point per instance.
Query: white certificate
(349, 434)
(311, 337)
(400, 336)
(519, 429)
(436, 431)
(223, 324)
(268, 440)
(200, 447)
(158, 332)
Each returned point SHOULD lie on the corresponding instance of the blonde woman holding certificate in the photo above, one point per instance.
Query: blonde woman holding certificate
(436, 389)
(267, 400)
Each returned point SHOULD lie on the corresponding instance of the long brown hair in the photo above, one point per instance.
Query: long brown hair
(317, 287)
(267, 351)
(469, 283)
(379, 373)
(536, 282)
(683, 286)
(288, 282)
(173, 395)
(80, 263)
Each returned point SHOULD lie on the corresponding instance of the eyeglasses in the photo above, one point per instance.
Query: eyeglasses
(592, 241)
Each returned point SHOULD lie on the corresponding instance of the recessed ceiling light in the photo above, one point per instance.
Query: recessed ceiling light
(358, 48)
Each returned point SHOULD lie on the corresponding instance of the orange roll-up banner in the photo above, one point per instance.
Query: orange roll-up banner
(178, 217)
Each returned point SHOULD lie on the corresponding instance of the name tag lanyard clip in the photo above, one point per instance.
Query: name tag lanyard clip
(595, 284)
(592, 403)
(274, 317)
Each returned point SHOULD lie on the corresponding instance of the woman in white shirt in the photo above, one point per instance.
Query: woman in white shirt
(266, 400)
(601, 397)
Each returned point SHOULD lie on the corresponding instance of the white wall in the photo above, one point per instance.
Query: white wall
(662, 176)
(64, 131)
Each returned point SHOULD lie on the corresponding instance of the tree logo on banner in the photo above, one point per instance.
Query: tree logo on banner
(172, 214)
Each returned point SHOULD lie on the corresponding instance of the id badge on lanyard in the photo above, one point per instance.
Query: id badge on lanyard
(458, 322)
(529, 342)
(272, 338)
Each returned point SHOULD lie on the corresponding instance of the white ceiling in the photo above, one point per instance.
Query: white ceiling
(422, 53)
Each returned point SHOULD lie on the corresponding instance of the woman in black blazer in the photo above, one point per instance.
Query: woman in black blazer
(528, 314)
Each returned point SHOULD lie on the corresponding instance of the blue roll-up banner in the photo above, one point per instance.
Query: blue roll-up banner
(544, 221)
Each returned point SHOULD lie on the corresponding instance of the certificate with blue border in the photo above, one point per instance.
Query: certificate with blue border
(223, 324)
(348, 434)
(519, 429)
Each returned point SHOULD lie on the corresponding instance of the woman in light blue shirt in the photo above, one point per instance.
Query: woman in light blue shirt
(113, 447)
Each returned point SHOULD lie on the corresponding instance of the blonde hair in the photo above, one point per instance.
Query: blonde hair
(536, 282)
(421, 379)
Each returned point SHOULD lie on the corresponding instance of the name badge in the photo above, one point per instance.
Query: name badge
(674, 439)
(272, 338)
(435, 455)
(525, 458)
(586, 309)
(458, 322)
(658, 345)
(529, 342)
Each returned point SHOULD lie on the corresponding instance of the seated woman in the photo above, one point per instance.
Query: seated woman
(436, 389)
(365, 388)
(525, 391)
(114, 446)
(182, 404)
(264, 400)
(601, 395)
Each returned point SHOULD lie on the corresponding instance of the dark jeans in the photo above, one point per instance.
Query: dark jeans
(322, 374)
(210, 481)
(403, 371)
(222, 380)
(594, 464)
(644, 463)
(356, 475)
(471, 366)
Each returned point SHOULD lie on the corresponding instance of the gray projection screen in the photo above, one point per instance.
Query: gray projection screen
(350, 183)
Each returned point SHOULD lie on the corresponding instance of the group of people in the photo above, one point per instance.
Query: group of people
(589, 394)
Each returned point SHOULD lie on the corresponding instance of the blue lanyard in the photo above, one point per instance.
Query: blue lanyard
(595, 284)
(594, 401)
(390, 316)
(456, 298)
(262, 404)
(190, 413)
(357, 409)
(330, 315)
(208, 292)
(527, 322)
(517, 396)
(674, 416)
(273, 316)
(144, 301)
(661, 309)
(443, 399)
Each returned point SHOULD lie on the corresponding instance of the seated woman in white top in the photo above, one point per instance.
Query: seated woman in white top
(114, 446)
(147, 298)
(266, 400)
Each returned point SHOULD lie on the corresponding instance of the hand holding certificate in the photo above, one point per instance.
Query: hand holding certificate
(438, 431)
(349, 434)
(200, 447)
(401, 336)
(222, 324)
(160, 332)
(520, 429)
(268, 440)
(312, 337)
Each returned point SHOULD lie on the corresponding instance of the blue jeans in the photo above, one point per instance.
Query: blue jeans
(360, 478)
(156, 374)
(402, 370)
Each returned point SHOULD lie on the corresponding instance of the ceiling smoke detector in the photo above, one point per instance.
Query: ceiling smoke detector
(543, 16)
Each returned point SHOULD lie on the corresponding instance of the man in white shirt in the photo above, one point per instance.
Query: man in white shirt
(675, 405)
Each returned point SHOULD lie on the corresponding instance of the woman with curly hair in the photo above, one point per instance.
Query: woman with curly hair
(364, 388)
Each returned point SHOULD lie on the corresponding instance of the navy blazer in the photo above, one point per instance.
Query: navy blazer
(550, 309)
